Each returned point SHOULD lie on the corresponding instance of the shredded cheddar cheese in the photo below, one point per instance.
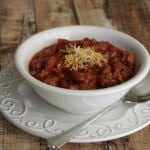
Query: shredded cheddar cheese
(77, 57)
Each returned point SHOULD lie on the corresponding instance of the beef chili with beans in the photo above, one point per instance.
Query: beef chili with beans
(82, 64)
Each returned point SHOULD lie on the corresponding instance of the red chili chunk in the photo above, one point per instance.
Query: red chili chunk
(117, 66)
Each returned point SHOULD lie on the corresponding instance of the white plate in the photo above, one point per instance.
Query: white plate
(26, 110)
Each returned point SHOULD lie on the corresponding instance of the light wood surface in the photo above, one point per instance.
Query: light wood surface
(20, 19)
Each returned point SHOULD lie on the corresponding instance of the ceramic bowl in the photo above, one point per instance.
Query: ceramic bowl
(81, 101)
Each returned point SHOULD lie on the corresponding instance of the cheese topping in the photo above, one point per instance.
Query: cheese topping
(77, 57)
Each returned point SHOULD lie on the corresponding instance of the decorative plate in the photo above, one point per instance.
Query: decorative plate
(26, 110)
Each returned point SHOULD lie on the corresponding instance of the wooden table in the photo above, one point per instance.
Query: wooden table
(21, 18)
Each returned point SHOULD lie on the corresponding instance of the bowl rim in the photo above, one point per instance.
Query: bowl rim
(120, 87)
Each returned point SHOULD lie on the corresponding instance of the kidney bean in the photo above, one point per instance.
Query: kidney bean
(117, 67)
(59, 54)
(61, 43)
(113, 49)
(52, 50)
(50, 63)
(77, 76)
(101, 46)
(59, 74)
(36, 64)
(105, 81)
(106, 69)
(64, 83)
(113, 60)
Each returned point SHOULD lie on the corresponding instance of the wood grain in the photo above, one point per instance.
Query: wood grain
(20, 19)
(0, 24)
(53, 13)
(92, 13)
(133, 18)
(17, 23)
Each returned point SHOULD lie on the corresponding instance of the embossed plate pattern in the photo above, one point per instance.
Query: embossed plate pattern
(26, 110)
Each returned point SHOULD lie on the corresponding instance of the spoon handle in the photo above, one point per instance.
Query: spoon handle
(59, 140)
(141, 99)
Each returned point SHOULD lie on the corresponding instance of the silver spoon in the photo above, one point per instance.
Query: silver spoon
(59, 140)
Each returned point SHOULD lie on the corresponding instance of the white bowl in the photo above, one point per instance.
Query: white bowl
(81, 101)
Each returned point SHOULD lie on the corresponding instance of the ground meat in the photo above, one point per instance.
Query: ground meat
(118, 67)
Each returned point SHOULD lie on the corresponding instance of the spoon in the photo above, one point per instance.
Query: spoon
(59, 140)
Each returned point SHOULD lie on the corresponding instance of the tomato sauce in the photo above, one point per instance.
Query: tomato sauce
(117, 66)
